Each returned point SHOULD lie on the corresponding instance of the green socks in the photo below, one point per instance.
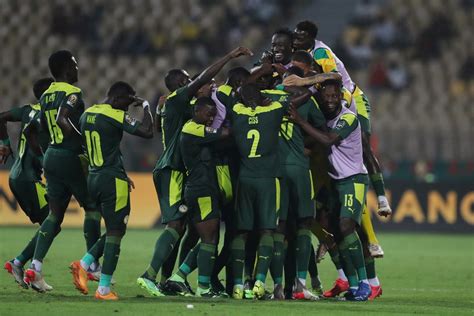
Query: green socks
(46, 234)
(190, 263)
(312, 265)
(29, 250)
(351, 251)
(163, 247)
(335, 258)
(264, 256)
(91, 228)
(377, 183)
(303, 249)
(370, 267)
(205, 261)
(111, 254)
(278, 260)
(238, 258)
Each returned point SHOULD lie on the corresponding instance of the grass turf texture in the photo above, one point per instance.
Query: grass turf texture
(421, 273)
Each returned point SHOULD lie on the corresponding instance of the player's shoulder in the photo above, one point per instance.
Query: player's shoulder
(106, 111)
(63, 87)
(349, 117)
(225, 89)
(241, 109)
(193, 129)
(275, 91)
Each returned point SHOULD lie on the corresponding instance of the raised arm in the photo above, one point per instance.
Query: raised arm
(295, 80)
(145, 129)
(212, 70)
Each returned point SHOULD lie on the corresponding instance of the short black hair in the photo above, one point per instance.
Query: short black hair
(331, 82)
(302, 56)
(236, 74)
(59, 61)
(120, 88)
(203, 101)
(284, 31)
(295, 71)
(172, 79)
(250, 93)
(41, 85)
(309, 27)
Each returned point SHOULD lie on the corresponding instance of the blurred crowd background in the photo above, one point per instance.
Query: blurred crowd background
(414, 60)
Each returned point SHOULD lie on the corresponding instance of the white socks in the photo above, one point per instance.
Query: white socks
(374, 282)
(341, 274)
(37, 265)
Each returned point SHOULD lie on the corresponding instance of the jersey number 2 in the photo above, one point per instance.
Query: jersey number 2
(93, 148)
(255, 136)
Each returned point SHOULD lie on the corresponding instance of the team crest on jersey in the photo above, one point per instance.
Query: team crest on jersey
(211, 130)
(341, 124)
(72, 100)
(32, 114)
(130, 120)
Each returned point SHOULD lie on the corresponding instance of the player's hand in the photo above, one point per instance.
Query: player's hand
(131, 185)
(385, 213)
(294, 116)
(330, 76)
(5, 152)
(240, 51)
(267, 57)
(161, 103)
(307, 152)
(293, 80)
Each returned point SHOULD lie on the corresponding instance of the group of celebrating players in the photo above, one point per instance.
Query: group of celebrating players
(277, 154)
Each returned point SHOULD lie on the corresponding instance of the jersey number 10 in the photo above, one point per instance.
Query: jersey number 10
(93, 148)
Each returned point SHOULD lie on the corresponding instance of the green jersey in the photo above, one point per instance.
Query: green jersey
(62, 94)
(176, 111)
(291, 144)
(198, 158)
(256, 135)
(102, 129)
(227, 96)
(27, 164)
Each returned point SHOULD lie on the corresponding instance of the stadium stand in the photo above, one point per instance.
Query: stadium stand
(414, 59)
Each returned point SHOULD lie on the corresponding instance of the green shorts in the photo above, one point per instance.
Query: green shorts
(112, 197)
(202, 208)
(258, 203)
(65, 177)
(351, 193)
(297, 192)
(31, 196)
(363, 110)
(169, 185)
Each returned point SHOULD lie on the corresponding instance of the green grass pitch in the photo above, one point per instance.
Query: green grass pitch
(420, 274)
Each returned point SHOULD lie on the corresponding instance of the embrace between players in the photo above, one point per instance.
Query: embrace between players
(277, 154)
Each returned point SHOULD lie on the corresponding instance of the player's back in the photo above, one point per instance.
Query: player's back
(102, 130)
(256, 134)
(62, 94)
(176, 111)
(27, 165)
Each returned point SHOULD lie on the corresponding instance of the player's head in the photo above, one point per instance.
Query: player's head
(293, 70)
(304, 35)
(63, 66)
(206, 89)
(41, 85)
(176, 78)
(282, 46)
(121, 95)
(204, 111)
(251, 96)
(302, 59)
(237, 76)
(331, 96)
